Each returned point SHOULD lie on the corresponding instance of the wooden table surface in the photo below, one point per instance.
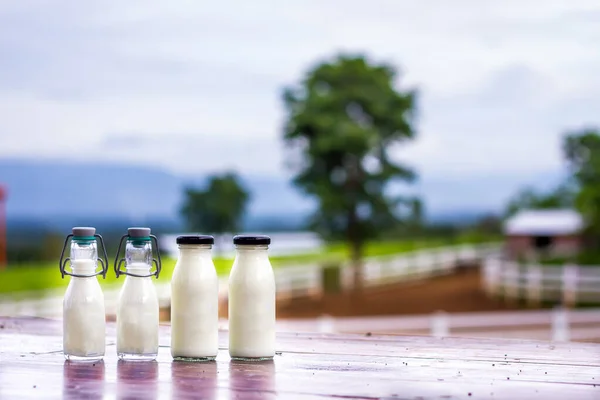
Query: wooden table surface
(307, 366)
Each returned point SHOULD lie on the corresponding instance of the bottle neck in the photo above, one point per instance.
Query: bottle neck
(84, 250)
(138, 267)
(83, 266)
(138, 254)
(255, 253)
(194, 250)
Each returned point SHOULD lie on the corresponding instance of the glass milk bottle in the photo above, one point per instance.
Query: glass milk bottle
(137, 309)
(251, 300)
(195, 301)
(84, 317)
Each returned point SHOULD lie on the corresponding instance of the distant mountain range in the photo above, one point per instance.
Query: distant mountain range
(58, 195)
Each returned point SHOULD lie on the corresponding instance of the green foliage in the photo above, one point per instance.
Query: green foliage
(341, 122)
(218, 208)
(582, 151)
(51, 246)
(24, 254)
(529, 198)
(478, 236)
(589, 258)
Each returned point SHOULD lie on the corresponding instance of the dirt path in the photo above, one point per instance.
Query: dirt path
(460, 292)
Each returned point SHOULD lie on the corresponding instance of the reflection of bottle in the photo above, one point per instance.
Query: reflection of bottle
(252, 380)
(137, 379)
(194, 380)
(83, 380)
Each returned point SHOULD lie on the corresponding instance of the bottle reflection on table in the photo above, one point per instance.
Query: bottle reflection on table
(252, 379)
(137, 379)
(197, 380)
(83, 380)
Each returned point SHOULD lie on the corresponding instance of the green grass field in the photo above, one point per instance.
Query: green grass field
(40, 277)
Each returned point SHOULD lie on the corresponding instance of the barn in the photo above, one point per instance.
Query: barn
(552, 232)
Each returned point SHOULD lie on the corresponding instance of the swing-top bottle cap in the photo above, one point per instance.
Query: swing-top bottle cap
(83, 231)
(138, 232)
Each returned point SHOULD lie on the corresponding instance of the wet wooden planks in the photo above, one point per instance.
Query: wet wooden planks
(308, 366)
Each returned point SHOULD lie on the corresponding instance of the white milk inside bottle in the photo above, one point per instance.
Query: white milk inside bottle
(194, 301)
(138, 308)
(251, 300)
(84, 316)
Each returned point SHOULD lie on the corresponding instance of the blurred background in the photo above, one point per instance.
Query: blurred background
(422, 167)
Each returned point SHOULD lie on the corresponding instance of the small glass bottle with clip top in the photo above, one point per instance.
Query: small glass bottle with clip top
(138, 308)
(84, 316)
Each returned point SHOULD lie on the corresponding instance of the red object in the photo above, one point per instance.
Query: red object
(2, 227)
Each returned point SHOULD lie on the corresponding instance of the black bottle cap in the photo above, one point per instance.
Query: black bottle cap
(195, 239)
(252, 240)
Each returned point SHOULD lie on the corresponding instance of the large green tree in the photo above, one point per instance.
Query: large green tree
(582, 151)
(218, 208)
(342, 120)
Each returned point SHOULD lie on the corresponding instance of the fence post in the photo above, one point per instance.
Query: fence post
(433, 262)
(471, 253)
(439, 324)
(460, 254)
(345, 276)
(326, 324)
(451, 259)
(442, 260)
(376, 267)
(534, 284)
(428, 259)
(398, 268)
(413, 269)
(387, 268)
(560, 324)
(569, 284)
(421, 266)
(511, 282)
(491, 275)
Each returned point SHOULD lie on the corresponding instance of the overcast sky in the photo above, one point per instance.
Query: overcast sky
(198, 83)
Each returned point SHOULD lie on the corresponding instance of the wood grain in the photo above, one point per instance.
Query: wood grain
(307, 366)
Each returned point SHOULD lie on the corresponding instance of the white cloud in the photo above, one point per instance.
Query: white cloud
(200, 82)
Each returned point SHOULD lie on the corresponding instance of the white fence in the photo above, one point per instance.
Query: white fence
(305, 279)
(534, 283)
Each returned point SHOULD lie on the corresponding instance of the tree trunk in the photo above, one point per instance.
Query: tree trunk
(356, 243)
(354, 235)
(357, 265)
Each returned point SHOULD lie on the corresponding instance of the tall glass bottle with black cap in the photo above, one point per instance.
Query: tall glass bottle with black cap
(138, 309)
(251, 300)
(194, 301)
(84, 316)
